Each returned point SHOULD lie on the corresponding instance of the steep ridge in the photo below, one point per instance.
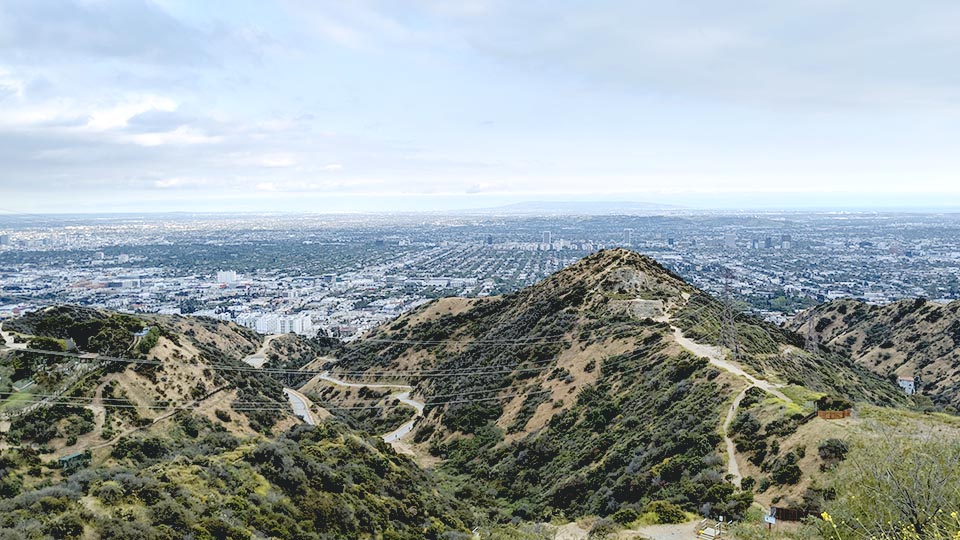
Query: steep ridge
(910, 339)
(575, 396)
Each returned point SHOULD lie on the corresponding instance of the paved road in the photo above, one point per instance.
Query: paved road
(325, 376)
(301, 405)
(8, 340)
(395, 437)
(405, 429)
(259, 358)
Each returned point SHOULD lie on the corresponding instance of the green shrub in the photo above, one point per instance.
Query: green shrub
(602, 529)
(785, 469)
(110, 492)
(625, 516)
(833, 450)
(66, 527)
(832, 403)
(46, 344)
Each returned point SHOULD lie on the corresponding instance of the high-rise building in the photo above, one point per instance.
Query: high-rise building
(628, 237)
(785, 241)
(226, 276)
(730, 240)
(268, 324)
(248, 320)
(295, 324)
(768, 243)
(547, 238)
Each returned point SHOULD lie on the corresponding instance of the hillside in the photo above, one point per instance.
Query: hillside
(601, 391)
(199, 481)
(174, 436)
(909, 338)
(583, 395)
(154, 365)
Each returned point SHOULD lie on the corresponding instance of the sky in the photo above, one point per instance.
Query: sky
(355, 105)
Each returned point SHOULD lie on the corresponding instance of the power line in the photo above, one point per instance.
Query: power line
(811, 343)
(728, 321)
(240, 406)
(280, 371)
(117, 402)
(254, 405)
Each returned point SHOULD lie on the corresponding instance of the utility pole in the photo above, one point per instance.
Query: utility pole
(811, 344)
(728, 319)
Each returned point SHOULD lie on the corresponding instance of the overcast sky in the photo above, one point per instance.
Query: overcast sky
(362, 105)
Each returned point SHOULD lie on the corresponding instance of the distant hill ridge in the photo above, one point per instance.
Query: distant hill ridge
(580, 208)
(908, 338)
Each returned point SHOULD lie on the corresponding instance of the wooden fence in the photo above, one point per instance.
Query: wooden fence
(833, 415)
(790, 514)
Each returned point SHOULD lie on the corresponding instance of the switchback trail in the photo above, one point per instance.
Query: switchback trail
(395, 437)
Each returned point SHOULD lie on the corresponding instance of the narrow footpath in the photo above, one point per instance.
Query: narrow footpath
(717, 358)
(733, 469)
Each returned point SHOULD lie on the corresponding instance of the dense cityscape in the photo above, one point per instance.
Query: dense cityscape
(344, 274)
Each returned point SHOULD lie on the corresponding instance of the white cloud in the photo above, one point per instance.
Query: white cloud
(485, 187)
(10, 85)
(476, 96)
(179, 182)
(119, 114)
(278, 161)
(183, 135)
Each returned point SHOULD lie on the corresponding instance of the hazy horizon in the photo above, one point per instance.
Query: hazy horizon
(170, 105)
(426, 203)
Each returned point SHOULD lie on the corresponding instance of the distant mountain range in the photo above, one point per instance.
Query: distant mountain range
(586, 208)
